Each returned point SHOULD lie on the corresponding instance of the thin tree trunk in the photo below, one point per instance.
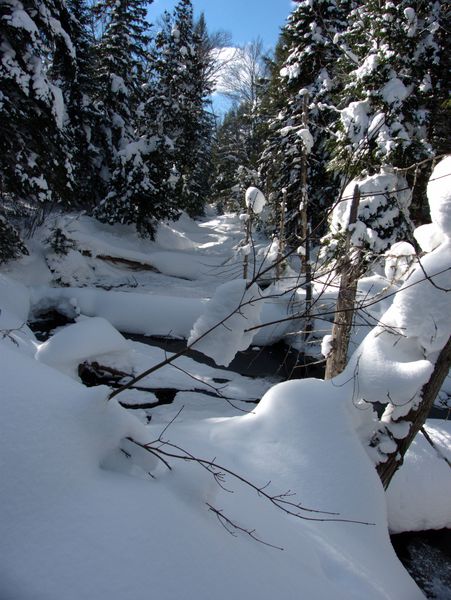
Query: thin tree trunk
(417, 417)
(350, 269)
(304, 230)
(247, 239)
(281, 249)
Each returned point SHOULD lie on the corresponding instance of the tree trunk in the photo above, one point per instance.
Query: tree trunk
(247, 239)
(417, 417)
(304, 230)
(350, 269)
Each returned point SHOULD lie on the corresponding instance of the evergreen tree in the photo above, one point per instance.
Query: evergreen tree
(122, 54)
(145, 183)
(391, 57)
(35, 165)
(240, 137)
(294, 162)
(181, 73)
(234, 159)
(84, 115)
(11, 245)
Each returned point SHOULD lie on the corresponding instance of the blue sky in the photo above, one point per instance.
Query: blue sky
(244, 19)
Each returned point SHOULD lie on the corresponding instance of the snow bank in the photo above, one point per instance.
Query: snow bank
(418, 496)
(171, 239)
(15, 299)
(130, 312)
(79, 519)
(439, 196)
(300, 438)
(14, 310)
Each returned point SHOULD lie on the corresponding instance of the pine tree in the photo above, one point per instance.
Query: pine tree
(122, 54)
(84, 115)
(390, 58)
(391, 54)
(11, 244)
(294, 162)
(180, 69)
(240, 137)
(234, 159)
(35, 164)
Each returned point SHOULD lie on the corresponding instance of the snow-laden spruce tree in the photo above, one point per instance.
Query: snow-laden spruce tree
(304, 79)
(391, 56)
(123, 51)
(234, 162)
(77, 79)
(178, 100)
(403, 362)
(35, 163)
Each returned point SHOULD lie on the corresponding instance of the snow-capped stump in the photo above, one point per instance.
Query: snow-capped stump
(76, 343)
(255, 200)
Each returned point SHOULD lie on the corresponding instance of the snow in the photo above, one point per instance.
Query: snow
(255, 200)
(398, 260)
(90, 338)
(355, 120)
(376, 193)
(394, 92)
(87, 513)
(396, 359)
(127, 311)
(406, 510)
(236, 308)
(307, 139)
(439, 195)
(78, 520)
(422, 305)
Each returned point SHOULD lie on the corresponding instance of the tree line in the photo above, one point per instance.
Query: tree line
(353, 88)
(99, 113)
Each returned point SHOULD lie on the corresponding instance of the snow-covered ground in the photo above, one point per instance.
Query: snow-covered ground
(87, 512)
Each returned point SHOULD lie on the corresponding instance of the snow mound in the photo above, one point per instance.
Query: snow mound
(413, 506)
(428, 236)
(169, 238)
(398, 260)
(422, 306)
(86, 339)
